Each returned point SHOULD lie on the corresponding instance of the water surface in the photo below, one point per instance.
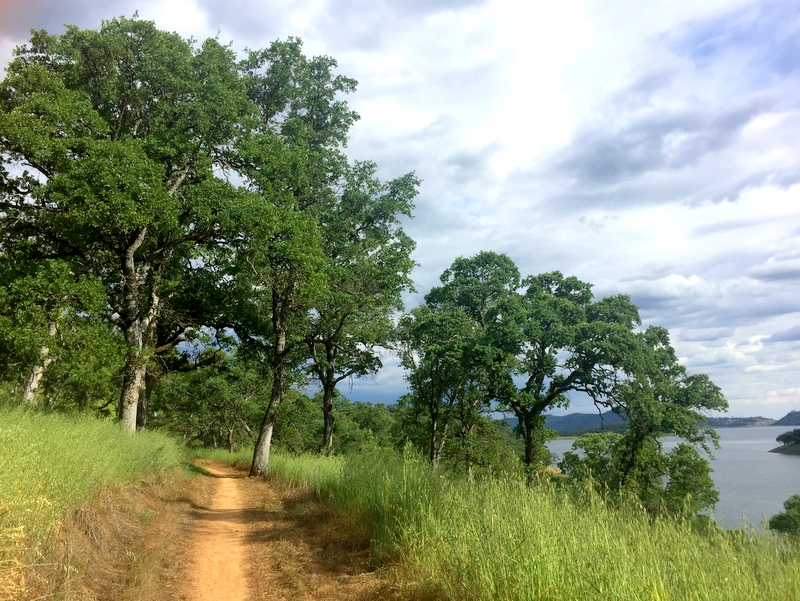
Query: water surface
(752, 483)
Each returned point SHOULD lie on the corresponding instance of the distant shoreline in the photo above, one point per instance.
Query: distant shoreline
(787, 449)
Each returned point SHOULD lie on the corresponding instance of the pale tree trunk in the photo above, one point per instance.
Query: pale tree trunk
(260, 463)
(437, 440)
(328, 417)
(132, 384)
(29, 395)
(263, 444)
(133, 380)
(137, 317)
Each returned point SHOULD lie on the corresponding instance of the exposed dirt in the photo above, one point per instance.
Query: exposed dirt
(250, 539)
(219, 535)
(223, 537)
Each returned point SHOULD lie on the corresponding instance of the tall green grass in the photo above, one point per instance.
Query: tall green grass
(457, 539)
(50, 463)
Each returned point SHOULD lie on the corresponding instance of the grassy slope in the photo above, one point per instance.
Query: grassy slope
(50, 464)
(449, 538)
(456, 539)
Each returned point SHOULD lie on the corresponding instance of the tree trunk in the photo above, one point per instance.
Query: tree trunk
(37, 371)
(528, 436)
(260, 463)
(328, 417)
(437, 440)
(531, 424)
(433, 454)
(133, 377)
(137, 317)
(132, 384)
(34, 379)
(145, 393)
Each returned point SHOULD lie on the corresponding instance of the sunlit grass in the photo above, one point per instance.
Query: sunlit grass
(51, 463)
(240, 458)
(457, 539)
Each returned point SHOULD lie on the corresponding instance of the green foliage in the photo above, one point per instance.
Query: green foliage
(362, 425)
(48, 318)
(450, 538)
(216, 404)
(570, 343)
(117, 133)
(486, 448)
(791, 437)
(368, 267)
(298, 424)
(788, 521)
(240, 457)
(486, 339)
(359, 425)
(678, 482)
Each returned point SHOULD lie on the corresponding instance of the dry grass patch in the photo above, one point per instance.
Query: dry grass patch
(309, 550)
(118, 546)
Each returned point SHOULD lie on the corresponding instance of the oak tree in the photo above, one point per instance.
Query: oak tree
(110, 144)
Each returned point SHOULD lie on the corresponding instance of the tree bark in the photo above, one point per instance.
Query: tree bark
(433, 455)
(29, 395)
(437, 439)
(531, 423)
(145, 393)
(263, 444)
(132, 384)
(328, 417)
(260, 464)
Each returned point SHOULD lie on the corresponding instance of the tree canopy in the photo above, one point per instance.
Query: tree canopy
(489, 340)
(164, 187)
(110, 143)
(170, 211)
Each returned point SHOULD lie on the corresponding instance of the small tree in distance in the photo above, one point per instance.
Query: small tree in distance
(791, 437)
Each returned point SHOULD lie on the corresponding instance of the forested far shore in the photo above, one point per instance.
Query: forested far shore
(578, 423)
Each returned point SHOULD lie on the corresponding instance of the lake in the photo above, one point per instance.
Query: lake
(752, 482)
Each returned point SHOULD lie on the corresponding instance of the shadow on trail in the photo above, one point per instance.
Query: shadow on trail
(304, 549)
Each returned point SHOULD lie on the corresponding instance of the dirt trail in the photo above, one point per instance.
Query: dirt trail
(252, 540)
(219, 537)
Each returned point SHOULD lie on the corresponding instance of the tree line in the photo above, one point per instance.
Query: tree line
(185, 243)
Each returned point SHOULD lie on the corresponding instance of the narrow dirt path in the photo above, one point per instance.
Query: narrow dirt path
(250, 539)
(218, 541)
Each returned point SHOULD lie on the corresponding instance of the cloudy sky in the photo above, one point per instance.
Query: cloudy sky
(650, 148)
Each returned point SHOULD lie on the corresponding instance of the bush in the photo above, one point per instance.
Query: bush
(788, 521)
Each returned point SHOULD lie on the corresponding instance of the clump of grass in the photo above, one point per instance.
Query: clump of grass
(498, 539)
(51, 463)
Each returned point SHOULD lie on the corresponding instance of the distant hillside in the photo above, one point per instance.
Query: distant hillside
(739, 422)
(790, 419)
(585, 422)
(578, 423)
